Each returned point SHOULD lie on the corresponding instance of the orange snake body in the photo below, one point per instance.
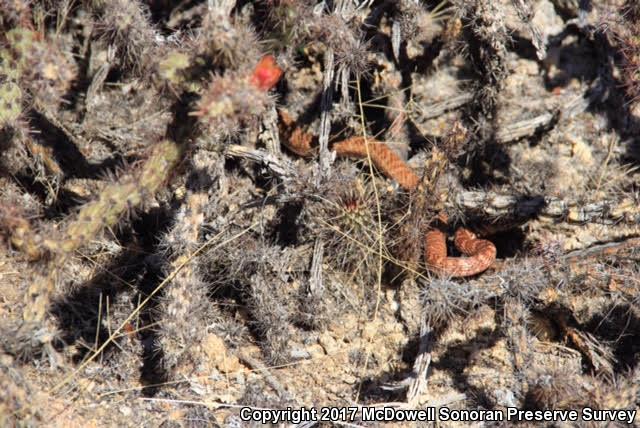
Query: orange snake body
(480, 253)
(385, 159)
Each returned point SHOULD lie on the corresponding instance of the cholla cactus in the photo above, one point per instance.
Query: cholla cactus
(11, 105)
(125, 24)
(183, 307)
(555, 389)
(115, 200)
(443, 299)
(15, 13)
(237, 97)
(38, 64)
(15, 391)
(488, 39)
(624, 25)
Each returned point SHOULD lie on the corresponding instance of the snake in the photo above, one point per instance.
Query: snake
(479, 254)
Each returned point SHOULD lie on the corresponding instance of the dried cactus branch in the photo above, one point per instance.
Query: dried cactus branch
(325, 115)
(490, 205)
(436, 109)
(419, 380)
(601, 250)
(526, 14)
(280, 167)
(524, 128)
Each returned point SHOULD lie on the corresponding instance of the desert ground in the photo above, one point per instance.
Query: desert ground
(210, 206)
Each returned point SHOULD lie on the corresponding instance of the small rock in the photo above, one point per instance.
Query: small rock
(316, 351)
(349, 379)
(218, 354)
(328, 343)
(299, 354)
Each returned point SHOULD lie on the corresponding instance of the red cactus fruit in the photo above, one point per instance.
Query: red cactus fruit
(266, 74)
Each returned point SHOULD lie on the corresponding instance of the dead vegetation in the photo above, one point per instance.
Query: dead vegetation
(213, 204)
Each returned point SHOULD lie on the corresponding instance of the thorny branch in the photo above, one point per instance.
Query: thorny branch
(489, 205)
